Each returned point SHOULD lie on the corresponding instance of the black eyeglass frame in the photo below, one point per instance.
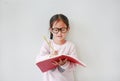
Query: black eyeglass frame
(62, 30)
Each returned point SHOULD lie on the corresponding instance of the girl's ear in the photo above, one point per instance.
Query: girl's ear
(50, 29)
(68, 28)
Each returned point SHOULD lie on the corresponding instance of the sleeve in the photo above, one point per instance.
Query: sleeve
(73, 51)
(69, 65)
(44, 52)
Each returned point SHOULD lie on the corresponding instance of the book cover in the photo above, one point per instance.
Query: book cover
(47, 64)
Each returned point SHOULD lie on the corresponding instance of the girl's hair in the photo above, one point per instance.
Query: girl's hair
(58, 17)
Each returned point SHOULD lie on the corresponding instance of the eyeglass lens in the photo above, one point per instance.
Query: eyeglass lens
(56, 30)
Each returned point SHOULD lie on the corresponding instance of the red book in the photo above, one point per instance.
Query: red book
(47, 64)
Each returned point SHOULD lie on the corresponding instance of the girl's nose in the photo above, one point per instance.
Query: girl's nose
(59, 32)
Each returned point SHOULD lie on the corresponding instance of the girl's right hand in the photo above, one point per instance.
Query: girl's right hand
(60, 62)
(53, 53)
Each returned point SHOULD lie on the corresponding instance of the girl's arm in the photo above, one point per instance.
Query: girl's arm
(44, 52)
(69, 65)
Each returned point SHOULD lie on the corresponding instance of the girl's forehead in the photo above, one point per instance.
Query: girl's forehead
(59, 24)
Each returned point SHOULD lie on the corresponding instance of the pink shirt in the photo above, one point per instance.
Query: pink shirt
(62, 73)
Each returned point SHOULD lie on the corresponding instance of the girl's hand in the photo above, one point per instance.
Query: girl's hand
(54, 53)
(60, 63)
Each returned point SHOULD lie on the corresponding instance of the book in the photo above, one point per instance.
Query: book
(47, 64)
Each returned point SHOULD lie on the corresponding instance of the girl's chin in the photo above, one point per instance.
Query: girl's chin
(62, 40)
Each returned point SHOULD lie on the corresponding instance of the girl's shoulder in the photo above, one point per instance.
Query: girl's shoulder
(70, 43)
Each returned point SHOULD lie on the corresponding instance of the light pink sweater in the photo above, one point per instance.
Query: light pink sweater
(62, 73)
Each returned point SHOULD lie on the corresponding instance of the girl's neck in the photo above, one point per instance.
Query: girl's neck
(60, 42)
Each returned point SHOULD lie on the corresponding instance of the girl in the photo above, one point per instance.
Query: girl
(59, 28)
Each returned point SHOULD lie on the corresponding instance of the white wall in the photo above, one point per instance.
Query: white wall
(95, 29)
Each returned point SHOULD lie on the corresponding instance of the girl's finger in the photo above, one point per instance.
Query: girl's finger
(65, 60)
(60, 60)
(55, 63)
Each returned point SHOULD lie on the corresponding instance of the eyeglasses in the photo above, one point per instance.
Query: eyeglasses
(62, 30)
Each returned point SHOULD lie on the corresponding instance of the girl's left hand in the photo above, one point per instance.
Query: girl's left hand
(60, 63)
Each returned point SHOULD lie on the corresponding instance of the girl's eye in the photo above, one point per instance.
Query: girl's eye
(64, 29)
(55, 29)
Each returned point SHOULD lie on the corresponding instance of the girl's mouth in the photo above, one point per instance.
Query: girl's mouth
(59, 36)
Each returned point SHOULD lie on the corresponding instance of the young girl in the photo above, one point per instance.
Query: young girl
(59, 28)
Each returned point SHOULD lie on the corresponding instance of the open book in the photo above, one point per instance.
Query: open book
(47, 64)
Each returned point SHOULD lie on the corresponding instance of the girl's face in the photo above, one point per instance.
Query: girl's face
(59, 31)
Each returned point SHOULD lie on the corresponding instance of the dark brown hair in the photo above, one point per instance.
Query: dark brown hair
(58, 17)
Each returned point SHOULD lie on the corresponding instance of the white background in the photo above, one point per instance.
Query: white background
(95, 29)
